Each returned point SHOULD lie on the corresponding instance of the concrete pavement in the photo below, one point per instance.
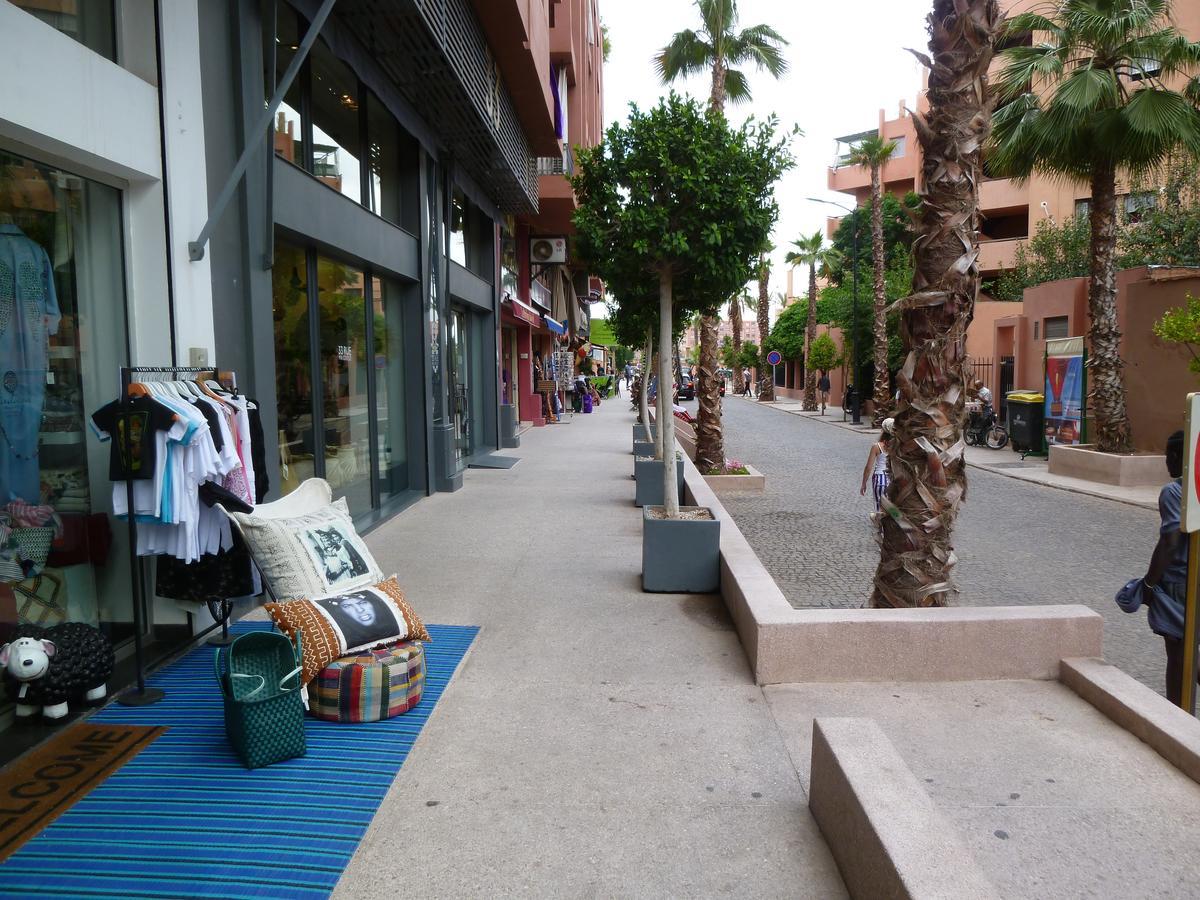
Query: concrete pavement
(598, 741)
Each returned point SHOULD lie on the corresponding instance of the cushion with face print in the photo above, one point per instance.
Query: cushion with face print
(309, 555)
(341, 624)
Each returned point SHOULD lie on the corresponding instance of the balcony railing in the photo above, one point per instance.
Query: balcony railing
(557, 165)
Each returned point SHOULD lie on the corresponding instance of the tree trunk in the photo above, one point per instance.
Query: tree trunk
(716, 99)
(926, 460)
(644, 400)
(883, 393)
(735, 322)
(810, 335)
(666, 420)
(766, 383)
(658, 409)
(710, 438)
(1106, 393)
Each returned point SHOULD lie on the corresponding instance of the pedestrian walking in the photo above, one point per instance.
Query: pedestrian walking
(746, 382)
(823, 387)
(877, 469)
(1164, 587)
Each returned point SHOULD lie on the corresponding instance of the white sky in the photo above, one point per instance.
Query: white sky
(848, 60)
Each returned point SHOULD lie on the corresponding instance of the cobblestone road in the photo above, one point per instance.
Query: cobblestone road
(1018, 543)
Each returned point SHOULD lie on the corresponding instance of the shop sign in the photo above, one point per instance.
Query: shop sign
(547, 386)
(1065, 391)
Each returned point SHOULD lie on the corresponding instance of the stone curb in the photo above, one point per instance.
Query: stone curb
(1173, 734)
(787, 645)
(888, 838)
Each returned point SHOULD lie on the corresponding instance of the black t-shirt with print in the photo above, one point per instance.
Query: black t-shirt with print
(144, 417)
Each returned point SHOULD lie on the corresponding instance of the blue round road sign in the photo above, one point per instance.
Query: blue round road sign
(774, 358)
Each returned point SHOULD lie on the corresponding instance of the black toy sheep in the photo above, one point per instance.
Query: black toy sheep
(46, 668)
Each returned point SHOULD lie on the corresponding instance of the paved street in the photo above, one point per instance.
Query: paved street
(1018, 543)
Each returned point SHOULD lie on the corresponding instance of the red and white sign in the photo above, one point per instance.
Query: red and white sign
(1191, 467)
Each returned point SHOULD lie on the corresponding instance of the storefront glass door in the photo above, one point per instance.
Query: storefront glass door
(458, 370)
(62, 341)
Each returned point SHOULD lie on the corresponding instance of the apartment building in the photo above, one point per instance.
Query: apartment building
(1010, 212)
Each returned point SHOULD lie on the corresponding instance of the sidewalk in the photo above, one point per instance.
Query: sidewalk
(598, 741)
(999, 462)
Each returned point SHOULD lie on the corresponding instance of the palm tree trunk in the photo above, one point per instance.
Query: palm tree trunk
(716, 99)
(928, 471)
(735, 322)
(1107, 389)
(766, 384)
(710, 435)
(883, 394)
(666, 418)
(810, 373)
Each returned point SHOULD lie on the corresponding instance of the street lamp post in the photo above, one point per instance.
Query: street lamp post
(852, 394)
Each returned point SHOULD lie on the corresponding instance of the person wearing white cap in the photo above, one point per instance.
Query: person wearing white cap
(877, 469)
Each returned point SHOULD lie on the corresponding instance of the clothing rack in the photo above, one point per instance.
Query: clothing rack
(142, 695)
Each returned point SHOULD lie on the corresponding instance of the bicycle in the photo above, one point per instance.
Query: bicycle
(983, 429)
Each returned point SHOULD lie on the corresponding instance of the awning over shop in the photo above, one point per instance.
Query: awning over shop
(522, 312)
(556, 327)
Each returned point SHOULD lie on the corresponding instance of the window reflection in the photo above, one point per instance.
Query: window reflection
(385, 143)
(289, 126)
(293, 367)
(90, 22)
(337, 146)
(458, 228)
(344, 357)
(390, 387)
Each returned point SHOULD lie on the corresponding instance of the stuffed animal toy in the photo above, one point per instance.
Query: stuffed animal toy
(47, 668)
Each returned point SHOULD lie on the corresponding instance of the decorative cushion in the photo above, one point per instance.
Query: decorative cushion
(369, 686)
(309, 555)
(343, 624)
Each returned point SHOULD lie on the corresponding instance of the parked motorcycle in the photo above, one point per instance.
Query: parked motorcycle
(983, 429)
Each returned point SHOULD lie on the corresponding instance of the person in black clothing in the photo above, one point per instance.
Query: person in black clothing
(823, 390)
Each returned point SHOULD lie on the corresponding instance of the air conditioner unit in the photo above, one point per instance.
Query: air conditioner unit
(548, 250)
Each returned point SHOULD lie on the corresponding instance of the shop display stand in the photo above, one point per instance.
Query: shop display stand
(142, 695)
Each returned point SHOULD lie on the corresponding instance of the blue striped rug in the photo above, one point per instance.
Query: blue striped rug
(184, 819)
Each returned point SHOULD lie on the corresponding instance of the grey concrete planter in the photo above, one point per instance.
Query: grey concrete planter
(643, 448)
(681, 556)
(509, 426)
(649, 475)
(644, 433)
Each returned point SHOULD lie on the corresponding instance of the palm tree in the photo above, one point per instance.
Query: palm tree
(717, 47)
(766, 384)
(812, 252)
(1086, 102)
(873, 153)
(928, 471)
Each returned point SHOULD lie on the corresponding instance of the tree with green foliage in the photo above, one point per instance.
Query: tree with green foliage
(748, 358)
(717, 48)
(1167, 233)
(1086, 102)
(729, 353)
(823, 354)
(811, 251)
(872, 153)
(787, 334)
(1181, 325)
(676, 194)
(766, 386)
(897, 214)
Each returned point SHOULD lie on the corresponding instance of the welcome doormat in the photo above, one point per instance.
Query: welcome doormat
(185, 819)
(56, 775)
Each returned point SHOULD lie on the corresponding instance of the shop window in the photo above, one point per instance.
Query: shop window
(344, 357)
(289, 121)
(391, 409)
(1056, 327)
(508, 263)
(293, 367)
(337, 126)
(90, 22)
(62, 340)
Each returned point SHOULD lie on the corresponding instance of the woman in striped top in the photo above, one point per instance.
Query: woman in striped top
(877, 469)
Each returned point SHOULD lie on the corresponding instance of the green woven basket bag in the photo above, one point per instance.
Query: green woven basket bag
(264, 711)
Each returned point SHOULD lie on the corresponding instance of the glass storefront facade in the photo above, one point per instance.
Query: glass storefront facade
(62, 340)
(90, 22)
(341, 379)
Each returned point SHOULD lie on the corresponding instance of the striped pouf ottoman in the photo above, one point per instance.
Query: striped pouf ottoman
(369, 686)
